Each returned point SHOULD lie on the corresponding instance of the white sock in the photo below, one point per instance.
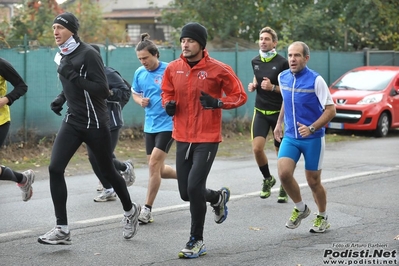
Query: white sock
(64, 228)
(322, 214)
(128, 213)
(300, 206)
(110, 190)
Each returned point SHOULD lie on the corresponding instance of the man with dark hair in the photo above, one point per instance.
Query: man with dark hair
(195, 89)
(85, 88)
(157, 125)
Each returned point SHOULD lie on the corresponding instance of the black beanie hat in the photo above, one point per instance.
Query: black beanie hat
(69, 21)
(196, 32)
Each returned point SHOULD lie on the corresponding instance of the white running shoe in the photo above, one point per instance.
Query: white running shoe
(26, 188)
(55, 237)
(220, 208)
(320, 224)
(100, 187)
(131, 222)
(106, 195)
(145, 216)
(194, 249)
(296, 217)
(129, 174)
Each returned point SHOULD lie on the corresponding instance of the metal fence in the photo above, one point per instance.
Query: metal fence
(32, 112)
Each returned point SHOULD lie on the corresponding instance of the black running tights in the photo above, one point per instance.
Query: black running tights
(193, 163)
(68, 140)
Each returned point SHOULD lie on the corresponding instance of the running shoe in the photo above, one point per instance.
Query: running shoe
(145, 216)
(55, 237)
(194, 249)
(220, 208)
(129, 174)
(131, 222)
(282, 196)
(320, 224)
(100, 187)
(296, 217)
(106, 195)
(267, 185)
(26, 188)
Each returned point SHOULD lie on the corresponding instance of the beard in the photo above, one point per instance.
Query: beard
(191, 55)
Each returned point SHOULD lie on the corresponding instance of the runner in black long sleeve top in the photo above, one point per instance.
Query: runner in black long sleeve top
(85, 89)
(86, 93)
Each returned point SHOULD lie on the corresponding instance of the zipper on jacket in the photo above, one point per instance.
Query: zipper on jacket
(293, 106)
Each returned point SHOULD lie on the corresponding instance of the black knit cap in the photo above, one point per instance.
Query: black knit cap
(69, 21)
(196, 32)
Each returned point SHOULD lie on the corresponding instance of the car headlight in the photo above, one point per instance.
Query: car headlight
(375, 98)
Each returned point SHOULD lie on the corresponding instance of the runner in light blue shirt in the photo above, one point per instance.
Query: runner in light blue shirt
(158, 124)
(147, 84)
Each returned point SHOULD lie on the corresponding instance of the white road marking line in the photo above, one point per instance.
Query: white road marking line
(185, 205)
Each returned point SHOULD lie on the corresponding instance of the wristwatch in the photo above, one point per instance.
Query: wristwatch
(220, 103)
(312, 129)
(274, 88)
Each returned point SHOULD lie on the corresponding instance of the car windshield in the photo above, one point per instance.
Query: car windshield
(365, 80)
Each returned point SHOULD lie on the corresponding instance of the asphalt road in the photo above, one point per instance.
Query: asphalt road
(361, 182)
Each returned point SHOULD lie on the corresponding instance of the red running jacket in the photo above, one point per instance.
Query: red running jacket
(183, 84)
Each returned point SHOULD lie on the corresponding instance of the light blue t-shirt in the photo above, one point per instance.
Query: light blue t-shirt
(148, 84)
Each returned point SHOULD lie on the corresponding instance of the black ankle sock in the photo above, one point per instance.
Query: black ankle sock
(265, 171)
(217, 199)
(197, 237)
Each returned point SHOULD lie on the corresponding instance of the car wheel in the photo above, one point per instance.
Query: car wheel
(382, 126)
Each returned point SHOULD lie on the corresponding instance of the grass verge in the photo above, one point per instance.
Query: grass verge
(36, 152)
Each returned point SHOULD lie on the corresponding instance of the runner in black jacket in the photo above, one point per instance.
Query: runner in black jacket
(85, 88)
(119, 95)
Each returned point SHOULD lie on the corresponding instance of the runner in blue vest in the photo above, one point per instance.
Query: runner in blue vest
(307, 108)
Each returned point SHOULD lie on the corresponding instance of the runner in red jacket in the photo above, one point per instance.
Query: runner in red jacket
(183, 83)
(195, 89)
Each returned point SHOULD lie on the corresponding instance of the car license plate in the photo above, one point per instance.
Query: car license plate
(335, 125)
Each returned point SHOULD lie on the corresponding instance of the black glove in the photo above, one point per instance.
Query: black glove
(170, 108)
(66, 70)
(208, 102)
(56, 105)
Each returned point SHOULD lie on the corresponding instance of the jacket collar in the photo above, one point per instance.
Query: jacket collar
(302, 72)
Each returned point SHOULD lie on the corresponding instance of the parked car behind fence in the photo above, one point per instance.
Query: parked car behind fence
(367, 98)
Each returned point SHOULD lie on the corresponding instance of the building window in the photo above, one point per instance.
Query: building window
(166, 30)
(133, 33)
